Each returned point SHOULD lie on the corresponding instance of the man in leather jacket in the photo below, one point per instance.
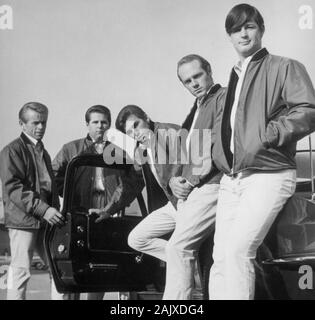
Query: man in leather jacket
(269, 106)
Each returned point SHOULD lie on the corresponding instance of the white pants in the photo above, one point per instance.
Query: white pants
(192, 223)
(22, 244)
(55, 295)
(248, 205)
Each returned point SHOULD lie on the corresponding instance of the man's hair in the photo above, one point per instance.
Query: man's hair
(125, 113)
(35, 106)
(98, 109)
(241, 14)
(205, 65)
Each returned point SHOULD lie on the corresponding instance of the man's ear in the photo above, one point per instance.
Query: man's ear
(228, 35)
(209, 70)
(262, 30)
(21, 123)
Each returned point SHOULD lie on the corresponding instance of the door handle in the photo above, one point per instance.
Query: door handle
(103, 266)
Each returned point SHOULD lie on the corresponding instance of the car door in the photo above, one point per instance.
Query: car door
(288, 251)
(86, 256)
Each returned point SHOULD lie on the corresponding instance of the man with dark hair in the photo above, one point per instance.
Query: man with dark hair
(269, 106)
(98, 109)
(132, 111)
(157, 151)
(192, 188)
(97, 190)
(29, 196)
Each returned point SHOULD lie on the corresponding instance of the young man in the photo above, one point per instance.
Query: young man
(98, 120)
(29, 194)
(157, 148)
(194, 186)
(157, 153)
(269, 106)
(98, 190)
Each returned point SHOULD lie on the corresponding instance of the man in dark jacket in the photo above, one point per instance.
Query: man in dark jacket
(29, 195)
(192, 186)
(196, 183)
(102, 191)
(157, 153)
(98, 120)
(269, 106)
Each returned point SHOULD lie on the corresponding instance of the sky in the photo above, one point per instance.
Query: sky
(73, 54)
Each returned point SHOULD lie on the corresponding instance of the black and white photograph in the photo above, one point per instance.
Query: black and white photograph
(157, 150)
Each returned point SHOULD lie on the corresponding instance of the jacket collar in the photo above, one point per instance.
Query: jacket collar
(88, 138)
(211, 92)
(260, 54)
(190, 117)
(213, 89)
(25, 139)
(90, 143)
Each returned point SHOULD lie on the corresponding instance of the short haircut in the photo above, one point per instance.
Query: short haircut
(241, 14)
(205, 65)
(98, 109)
(35, 106)
(125, 113)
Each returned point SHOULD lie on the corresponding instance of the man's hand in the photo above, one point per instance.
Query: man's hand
(180, 187)
(54, 217)
(102, 213)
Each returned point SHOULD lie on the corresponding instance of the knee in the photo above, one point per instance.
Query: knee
(18, 276)
(174, 248)
(239, 248)
(135, 241)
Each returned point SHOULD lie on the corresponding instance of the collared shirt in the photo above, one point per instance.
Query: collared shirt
(152, 166)
(43, 174)
(99, 172)
(199, 102)
(240, 69)
(31, 138)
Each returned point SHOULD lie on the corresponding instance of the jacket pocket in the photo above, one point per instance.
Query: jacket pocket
(271, 136)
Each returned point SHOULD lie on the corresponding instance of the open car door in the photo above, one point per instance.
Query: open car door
(290, 243)
(85, 256)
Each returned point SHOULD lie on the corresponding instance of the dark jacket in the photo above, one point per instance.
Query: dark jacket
(210, 108)
(276, 108)
(23, 205)
(65, 155)
(121, 188)
(165, 147)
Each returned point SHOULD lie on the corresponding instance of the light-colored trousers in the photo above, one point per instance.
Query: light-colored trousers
(192, 222)
(55, 295)
(22, 244)
(248, 205)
